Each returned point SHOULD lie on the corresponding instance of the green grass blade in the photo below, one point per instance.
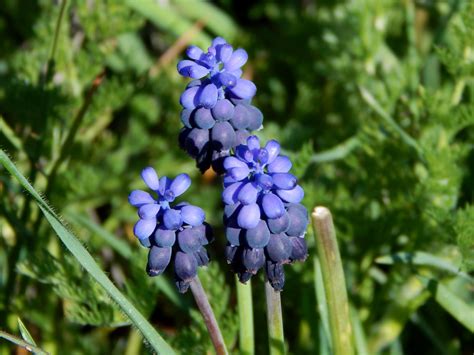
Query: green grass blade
(453, 304)
(374, 104)
(124, 250)
(420, 258)
(25, 334)
(166, 17)
(120, 246)
(88, 262)
(360, 340)
(30, 347)
(322, 308)
(216, 20)
(338, 152)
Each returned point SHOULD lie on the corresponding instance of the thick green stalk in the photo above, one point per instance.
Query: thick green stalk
(334, 283)
(246, 335)
(209, 317)
(276, 339)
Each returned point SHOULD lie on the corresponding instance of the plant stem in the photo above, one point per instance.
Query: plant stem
(334, 283)
(276, 339)
(22, 343)
(209, 317)
(246, 335)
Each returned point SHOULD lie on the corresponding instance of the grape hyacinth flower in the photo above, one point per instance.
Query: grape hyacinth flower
(217, 113)
(176, 233)
(265, 222)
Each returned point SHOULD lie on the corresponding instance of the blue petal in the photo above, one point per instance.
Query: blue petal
(148, 211)
(248, 216)
(172, 219)
(237, 73)
(281, 164)
(151, 178)
(194, 52)
(244, 153)
(183, 65)
(139, 198)
(224, 52)
(253, 142)
(144, 228)
(218, 41)
(284, 181)
(197, 71)
(229, 195)
(180, 184)
(208, 96)
(239, 173)
(248, 194)
(243, 89)
(227, 79)
(187, 99)
(272, 206)
(193, 215)
(295, 195)
(164, 185)
(191, 69)
(273, 149)
(228, 180)
(237, 59)
(233, 162)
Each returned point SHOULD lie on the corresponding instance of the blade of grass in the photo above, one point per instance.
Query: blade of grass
(360, 340)
(124, 250)
(423, 259)
(374, 104)
(10, 135)
(166, 17)
(25, 334)
(335, 153)
(22, 343)
(217, 21)
(451, 303)
(87, 261)
(322, 309)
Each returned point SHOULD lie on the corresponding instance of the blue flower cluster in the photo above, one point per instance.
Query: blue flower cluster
(170, 232)
(217, 113)
(264, 220)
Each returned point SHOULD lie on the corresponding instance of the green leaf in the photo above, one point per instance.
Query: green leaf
(454, 305)
(420, 258)
(166, 17)
(30, 347)
(126, 252)
(217, 21)
(25, 334)
(88, 262)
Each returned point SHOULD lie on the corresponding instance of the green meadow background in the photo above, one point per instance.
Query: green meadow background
(372, 99)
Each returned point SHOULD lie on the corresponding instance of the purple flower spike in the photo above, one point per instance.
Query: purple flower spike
(263, 211)
(172, 233)
(217, 111)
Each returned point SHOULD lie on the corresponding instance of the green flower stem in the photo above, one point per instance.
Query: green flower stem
(276, 339)
(209, 317)
(334, 283)
(246, 335)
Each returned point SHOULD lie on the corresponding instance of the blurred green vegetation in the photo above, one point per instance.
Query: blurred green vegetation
(374, 101)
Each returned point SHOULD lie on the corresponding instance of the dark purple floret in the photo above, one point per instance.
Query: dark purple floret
(175, 233)
(263, 214)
